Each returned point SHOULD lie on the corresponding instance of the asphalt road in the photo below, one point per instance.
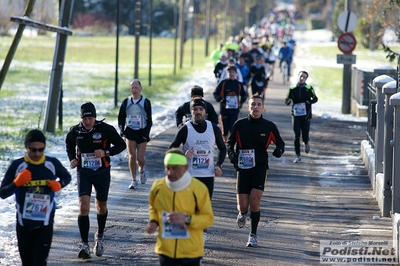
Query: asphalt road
(327, 196)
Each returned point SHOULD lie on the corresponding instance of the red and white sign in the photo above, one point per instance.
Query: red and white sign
(347, 43)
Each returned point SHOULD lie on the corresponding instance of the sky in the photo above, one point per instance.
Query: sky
(67, 197)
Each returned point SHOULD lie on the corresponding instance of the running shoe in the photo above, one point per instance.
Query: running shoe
(298, 159)
(84, 253)
(241, 220)
(133, 185)
(98, 249)
(142, 177)
(252, 242)
(307, 148)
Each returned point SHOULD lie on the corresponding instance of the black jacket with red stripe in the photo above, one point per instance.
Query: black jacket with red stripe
(257, 134)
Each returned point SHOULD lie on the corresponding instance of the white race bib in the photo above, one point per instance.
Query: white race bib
(299, 109)
(134, 121)
(201, 159)
(246, 159)
(232, 102)
(36, 206)
(90, 161)
(173, 230)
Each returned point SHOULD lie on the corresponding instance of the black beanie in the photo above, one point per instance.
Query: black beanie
(197, 90)
(197, 101)
(34, 135)
(88, 110)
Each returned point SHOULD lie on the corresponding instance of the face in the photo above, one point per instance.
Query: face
(256, 107)
(198, 114)
(135, 89)
(88, 122)
(232, 74)
(302, 78)
(35, 150)
(175, 172)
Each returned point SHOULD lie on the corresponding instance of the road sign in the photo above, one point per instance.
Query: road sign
(346, 59)
(347, 43)
(347, 21)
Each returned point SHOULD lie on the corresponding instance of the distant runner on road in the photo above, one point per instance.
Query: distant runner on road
(302, 96)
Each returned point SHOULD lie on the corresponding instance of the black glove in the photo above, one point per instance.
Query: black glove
(287, 101)
(277, 153)
(233, 158)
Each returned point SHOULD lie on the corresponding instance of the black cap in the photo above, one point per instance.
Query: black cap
(197, 101)
(34, 135)
(88, 110)
(196, 90)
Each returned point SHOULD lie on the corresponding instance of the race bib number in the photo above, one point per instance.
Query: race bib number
(299, 109)
(134, 121)
(246, 159)
(36, 206)
(90, 161)
(232, 102)
(201, 159)
(170, 230)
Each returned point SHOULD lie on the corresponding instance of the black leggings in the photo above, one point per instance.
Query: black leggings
(167, 261)
(34, 244)
(301, 128)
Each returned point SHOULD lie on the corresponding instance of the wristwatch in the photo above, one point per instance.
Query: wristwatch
(107, 152)
(188, 219)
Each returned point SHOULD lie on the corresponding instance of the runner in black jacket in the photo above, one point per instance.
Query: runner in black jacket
(302, 96)
(247, 150)
(33, 179)
(89, 147)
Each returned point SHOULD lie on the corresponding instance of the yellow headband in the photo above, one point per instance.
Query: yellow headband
(174, 159)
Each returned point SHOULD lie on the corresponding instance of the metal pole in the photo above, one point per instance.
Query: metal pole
(208, 21)
(138, 23)
(346, 90)
(150, 37)
(182, 31)
(54, 97)
(176, 33)
(116, 58)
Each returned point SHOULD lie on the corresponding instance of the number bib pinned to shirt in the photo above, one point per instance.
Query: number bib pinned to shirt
(246, 159)
(232, 102)
(170, 230)
(90, 161)
(201, 159)
(36, 206)
(299, 109)
(134, 121)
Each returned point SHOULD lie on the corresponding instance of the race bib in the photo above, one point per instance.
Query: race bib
(232, 102)
(90, 161)
(170, 230)
(201, 159)
(246, 159)
(36, 206)
(299, 109)
(134, 121)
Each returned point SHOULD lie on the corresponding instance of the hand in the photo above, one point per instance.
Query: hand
(190, 153)
(23, 177)
(99, 153)
(288, 101)
(218, 170)
(54, 185)
(233, 158)
(73, 163)
(277, 153)
(151, 227)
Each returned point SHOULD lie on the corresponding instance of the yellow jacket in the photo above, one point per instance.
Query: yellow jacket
(194, 201)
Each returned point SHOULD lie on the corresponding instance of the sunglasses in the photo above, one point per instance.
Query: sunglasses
(36, 149)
